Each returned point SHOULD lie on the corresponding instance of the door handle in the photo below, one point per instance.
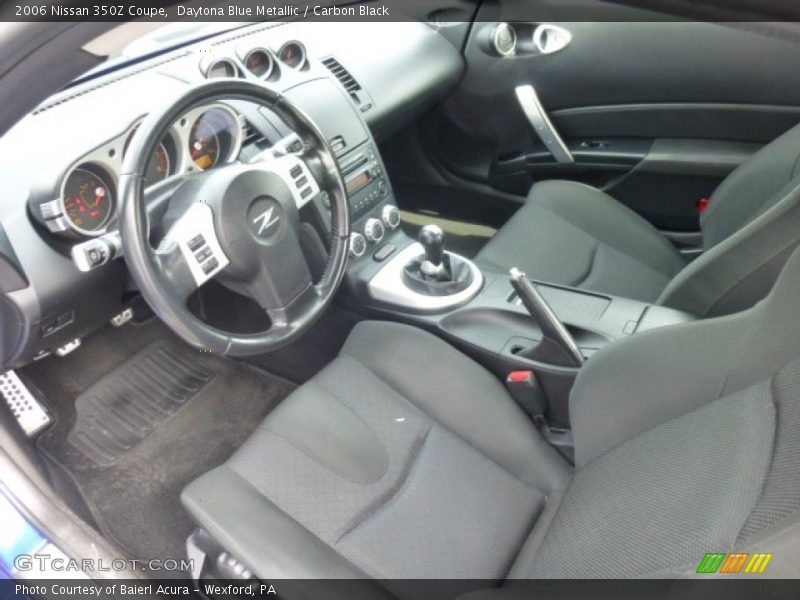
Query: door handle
(541, 124)
(548, 38)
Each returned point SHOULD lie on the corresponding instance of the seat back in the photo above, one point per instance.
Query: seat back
(750, 229)
(752, 189)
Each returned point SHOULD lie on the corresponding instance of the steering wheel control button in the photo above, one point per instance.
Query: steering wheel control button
(391, 216)
(296, 171)
(195, 229)
(209, 266)
(196, 243)
(373, 230)
(203, 254)
(385, 252)
(358, 245)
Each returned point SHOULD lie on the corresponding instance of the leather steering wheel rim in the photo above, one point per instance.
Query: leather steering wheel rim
(149, 271)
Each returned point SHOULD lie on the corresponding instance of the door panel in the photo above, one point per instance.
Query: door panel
(655, 113)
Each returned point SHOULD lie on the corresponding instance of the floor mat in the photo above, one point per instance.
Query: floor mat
(133, 492)
(118, 411)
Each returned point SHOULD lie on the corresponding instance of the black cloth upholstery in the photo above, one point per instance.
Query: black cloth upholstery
(405, 459)
(401, 429)
(571, 234)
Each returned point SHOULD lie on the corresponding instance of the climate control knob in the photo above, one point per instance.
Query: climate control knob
(373, 230)
(358, 245)
(391, 216)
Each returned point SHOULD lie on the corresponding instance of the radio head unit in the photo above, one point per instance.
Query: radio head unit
(364, 182)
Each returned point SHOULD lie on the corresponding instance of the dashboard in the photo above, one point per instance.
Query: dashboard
(64, 159)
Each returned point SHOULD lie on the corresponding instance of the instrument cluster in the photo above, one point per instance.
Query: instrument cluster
(87, 204)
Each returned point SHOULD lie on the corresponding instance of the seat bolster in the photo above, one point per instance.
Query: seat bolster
(623, 391)
(269, 542)
(739, 271)
(460, 395)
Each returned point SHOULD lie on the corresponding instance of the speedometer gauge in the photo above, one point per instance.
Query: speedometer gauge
(88, 201)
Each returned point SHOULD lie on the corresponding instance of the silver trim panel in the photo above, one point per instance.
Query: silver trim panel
(549, 39)
(537, 117)
(387, 285)
(497, 44)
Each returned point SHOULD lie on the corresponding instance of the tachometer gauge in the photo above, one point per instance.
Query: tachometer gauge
(158, 167)
(88, 201)
(204, 145)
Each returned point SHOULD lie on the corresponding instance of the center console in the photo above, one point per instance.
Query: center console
(483, 313)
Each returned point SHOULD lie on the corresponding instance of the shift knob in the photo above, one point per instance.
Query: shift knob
(432, 239)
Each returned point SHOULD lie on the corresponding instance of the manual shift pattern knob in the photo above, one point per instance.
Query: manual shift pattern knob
(432, 239)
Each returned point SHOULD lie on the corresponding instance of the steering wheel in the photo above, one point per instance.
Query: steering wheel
(238, 223)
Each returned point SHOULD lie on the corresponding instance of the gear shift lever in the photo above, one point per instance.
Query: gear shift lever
(432, 239)
(436, 272)
(555, 337)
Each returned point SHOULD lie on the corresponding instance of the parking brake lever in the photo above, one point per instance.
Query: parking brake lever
(557, 345)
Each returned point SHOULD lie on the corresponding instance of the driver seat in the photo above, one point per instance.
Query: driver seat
(405, 459)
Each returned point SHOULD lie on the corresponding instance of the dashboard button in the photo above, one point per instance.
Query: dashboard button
(66, 318)
(358, 245)
(385, 252)
(373, 230)
(391, 216)
(49, 326)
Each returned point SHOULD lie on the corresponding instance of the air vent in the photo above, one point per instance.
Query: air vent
(251, 135)
(343, 75)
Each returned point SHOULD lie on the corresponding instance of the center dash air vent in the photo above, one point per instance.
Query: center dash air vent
(357, 94)
(251, 135)
(343, 75)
